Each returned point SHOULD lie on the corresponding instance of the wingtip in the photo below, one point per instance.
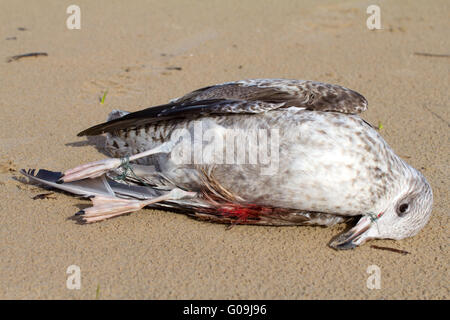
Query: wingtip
(92, 131)
(87, 132)
(95, 130)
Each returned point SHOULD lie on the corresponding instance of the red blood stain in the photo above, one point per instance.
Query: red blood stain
(243, 212)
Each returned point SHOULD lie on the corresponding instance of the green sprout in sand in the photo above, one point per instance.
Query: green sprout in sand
(380, 125)
(102, 101)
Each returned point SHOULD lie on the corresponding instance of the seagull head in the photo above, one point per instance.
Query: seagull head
(405, 214)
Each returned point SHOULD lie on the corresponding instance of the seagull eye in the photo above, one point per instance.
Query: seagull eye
(402, 209)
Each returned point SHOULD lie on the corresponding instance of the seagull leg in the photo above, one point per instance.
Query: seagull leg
(108, 207)
(98, 168)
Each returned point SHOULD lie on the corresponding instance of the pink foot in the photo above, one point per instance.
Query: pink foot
(90, 170)
(108, 207)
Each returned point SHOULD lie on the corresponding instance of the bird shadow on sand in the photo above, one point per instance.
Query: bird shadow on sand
(97, 141)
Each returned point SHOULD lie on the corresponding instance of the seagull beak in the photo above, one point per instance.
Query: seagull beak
(354, 237)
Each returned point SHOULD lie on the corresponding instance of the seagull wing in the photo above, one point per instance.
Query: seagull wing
(246, 96)
(299, 93)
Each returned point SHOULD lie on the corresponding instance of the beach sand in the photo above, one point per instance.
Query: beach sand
(130, 49)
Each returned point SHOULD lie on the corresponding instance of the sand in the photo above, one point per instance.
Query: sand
(126, 48)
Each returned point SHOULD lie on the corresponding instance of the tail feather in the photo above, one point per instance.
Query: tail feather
(101, 186)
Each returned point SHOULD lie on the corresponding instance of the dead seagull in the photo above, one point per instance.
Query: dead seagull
(298, 155)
